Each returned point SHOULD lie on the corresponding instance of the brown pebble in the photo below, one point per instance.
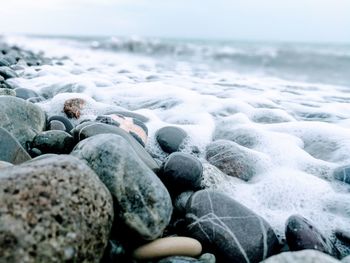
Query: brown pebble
(72, 107)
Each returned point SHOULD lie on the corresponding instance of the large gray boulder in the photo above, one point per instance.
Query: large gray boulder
(22, 119)
(53, 210)
(143, 202)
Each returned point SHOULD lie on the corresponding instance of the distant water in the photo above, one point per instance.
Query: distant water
(290, 103)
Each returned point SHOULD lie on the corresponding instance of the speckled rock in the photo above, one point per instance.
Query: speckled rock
(302, 234)
(168, 246)
(143, 202)
(229, 230)
(72, 107)
(89, 129)
(236, 160)
(22, 119)
(53, 210)
(170, 138)
(10, 149)
(59, 142)
(304, 256)
(7, 92)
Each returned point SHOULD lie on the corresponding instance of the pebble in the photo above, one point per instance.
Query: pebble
(144, 204)
(54, 125)
(181, 172)
(302, 234)
(168, 246)
(72, 107)
(7, 73)
(228, 229)
(53, 210)
(11, 150)
(236, 160)
(59, 142)
(170, 138)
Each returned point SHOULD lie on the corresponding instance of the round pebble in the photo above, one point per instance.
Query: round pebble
(169, 246)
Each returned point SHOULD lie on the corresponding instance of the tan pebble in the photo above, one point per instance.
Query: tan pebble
(169, 246)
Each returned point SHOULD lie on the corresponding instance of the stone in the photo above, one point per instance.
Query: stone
(56, 125)
(72, 107)
(236, 160)
(346, 259)
(229, 230)
(22, 119)
(181, 172)
(303, 256)
(7, 92)
(10, 149)
(343, 236)
(5, 85)
(302, 234)
(115, 252)
(53, 210)
(59, 142)
(36, 99)
(89, 129)
(132, 126)
(144, 204)
(168, 246)
(342, 174)
(170, 138)
(130, 114)
(207, 258)
(66, 122)
(5, 164)
(24, 93)
(4, 62)
(7, 73)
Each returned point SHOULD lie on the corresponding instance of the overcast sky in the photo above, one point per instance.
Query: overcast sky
(285, 20)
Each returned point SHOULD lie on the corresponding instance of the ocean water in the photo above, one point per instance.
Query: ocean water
(287, 102)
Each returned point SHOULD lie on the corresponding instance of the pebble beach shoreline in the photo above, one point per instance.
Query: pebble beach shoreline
(81, 181)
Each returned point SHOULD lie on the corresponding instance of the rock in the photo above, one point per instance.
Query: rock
(343, 236)
(5, 164)
(181, 172)
(301, 234)
(130, 114)
(24, 93)
(114, 252)
(72, 107)
(304, 256)
(7, 92)
(228, 229)
(10, 149)
(1, 79)
(4, 62)
(235, 160)
(59, 142)
(7, 73)
(54, 125)
(22, 119)
(207, 258)
(132, 126)
(170, 138)
(89, 129)
(342, 174)
(53, 210)
(5, 85)
(168, 246)
(143, 202)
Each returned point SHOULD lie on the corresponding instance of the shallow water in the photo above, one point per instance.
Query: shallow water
(288, 103)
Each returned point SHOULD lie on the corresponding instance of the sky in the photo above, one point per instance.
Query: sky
(269, 20)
